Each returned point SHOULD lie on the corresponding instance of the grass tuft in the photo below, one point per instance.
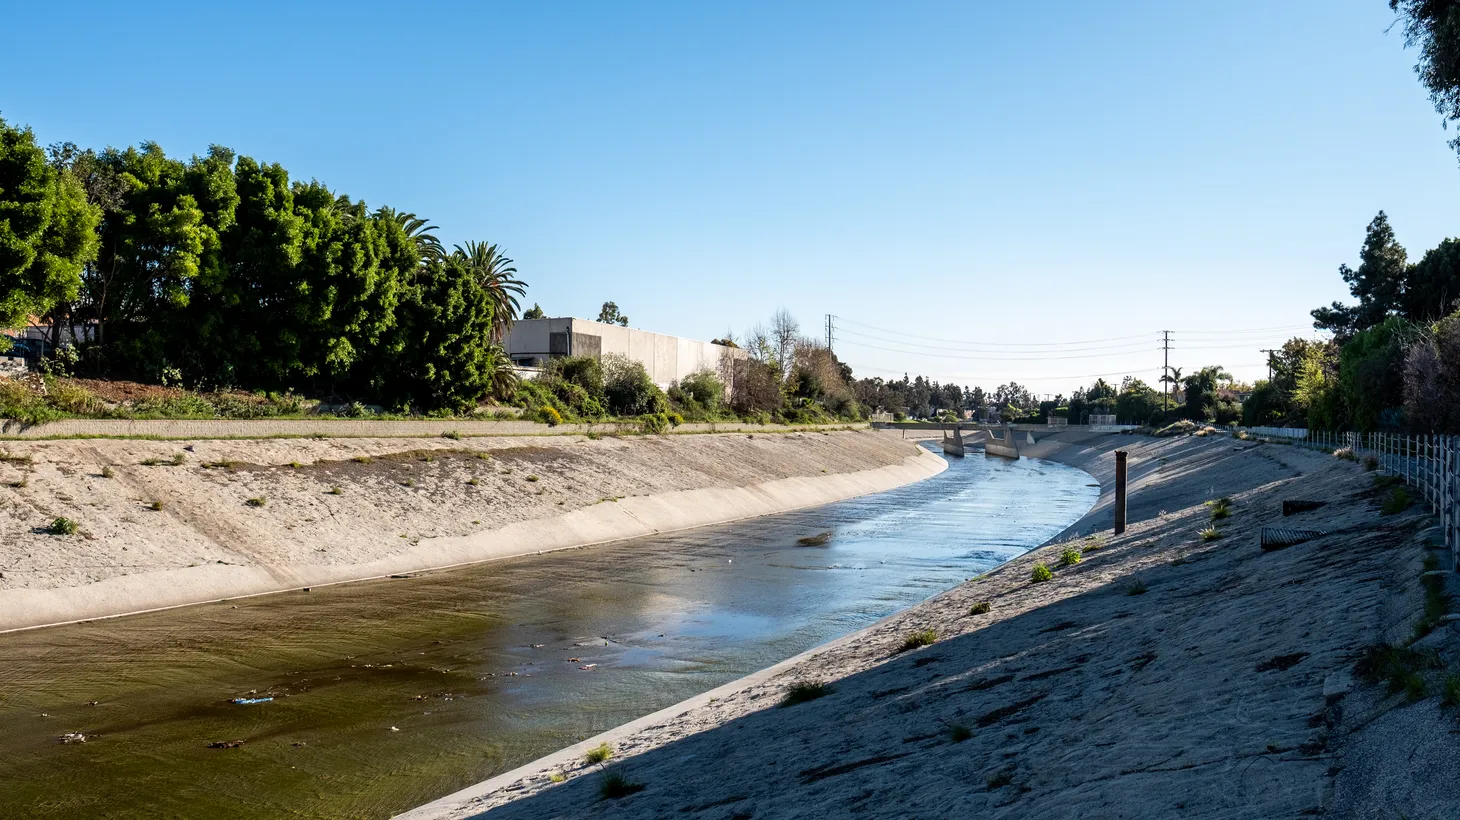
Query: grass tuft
(1137, 587)
(1450, 691)
(108, 472)
(1094, 542)
(1397, 501)
(980, 608)
(1345, 453)
(918, 640)
(155, 506)
(452, 434)
(1039, 574)
(1221, 508)
(63, 526)
(1000, 779)
(532, 478)
(615, 785)
(1210, 534)
(959, 733)
(599, 753)
(1371, 463)
(361, 459)
(257, 502)
(1070, 557)
(803, 691)
(336, 491)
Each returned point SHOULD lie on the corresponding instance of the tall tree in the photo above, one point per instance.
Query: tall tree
(47, 229)
(609, 315)
(495, 275)
(1378, 283)
(1434, 26)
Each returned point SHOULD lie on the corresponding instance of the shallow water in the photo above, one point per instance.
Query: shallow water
(391, 693)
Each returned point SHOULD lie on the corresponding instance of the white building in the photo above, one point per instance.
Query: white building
(532, 342)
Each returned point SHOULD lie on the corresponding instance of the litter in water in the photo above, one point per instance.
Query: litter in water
(73, 737)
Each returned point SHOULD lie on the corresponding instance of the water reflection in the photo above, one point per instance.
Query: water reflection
(390, 693)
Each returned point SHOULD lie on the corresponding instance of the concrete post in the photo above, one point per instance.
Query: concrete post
(1119, 491)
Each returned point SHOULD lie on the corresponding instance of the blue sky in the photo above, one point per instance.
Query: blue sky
(1016, 179)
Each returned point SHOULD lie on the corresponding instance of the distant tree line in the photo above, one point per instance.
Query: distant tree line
(221, 271)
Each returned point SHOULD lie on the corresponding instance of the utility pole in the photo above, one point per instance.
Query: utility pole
(830, 330)
(1166, 371)
(1269, 351)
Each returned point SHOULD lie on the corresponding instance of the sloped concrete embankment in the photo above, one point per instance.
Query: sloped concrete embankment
(172, 524)
(1161, 675)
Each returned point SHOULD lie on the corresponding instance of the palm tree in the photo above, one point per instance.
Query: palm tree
(418, 230)
(493, 271)
(501, 378)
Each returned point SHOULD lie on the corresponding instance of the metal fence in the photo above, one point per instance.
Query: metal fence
(1429, 464)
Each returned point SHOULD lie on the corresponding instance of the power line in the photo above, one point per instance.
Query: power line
(976, 347)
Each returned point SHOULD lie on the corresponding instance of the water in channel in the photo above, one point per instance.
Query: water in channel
(390, 693)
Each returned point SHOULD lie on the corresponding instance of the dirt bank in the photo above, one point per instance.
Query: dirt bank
(172, 523)
(1161, 675)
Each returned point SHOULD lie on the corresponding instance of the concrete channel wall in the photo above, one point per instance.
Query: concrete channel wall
(353, 428)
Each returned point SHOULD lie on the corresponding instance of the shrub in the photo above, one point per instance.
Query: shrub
(1397, 501)
(1345, 453)
(1450, 691)
(803, 691)
(599, 753)
(1040, 573)
(1371, 463)
(108, 472)
(980, 608)
(452, 434)
(156, 506)
(628, 388)
(549, 415)
(1069, 557)
(257, 502)
(1210, 534)
(653, 423)
(1136, 587)
(918, 639)
(615, 785)
(63, 526)
(958, 733)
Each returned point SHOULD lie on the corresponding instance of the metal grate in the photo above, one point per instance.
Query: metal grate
(1276, 538)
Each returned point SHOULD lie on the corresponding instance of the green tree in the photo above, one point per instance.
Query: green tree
(534, 312)
(47, 229)
(1201, 392)
(1371, 374)
(495, 275)
(1432, 286)
(1378, 283)
(446, 361)
(609, 315)
(1434, 26)
(1137, 402)
(428, 247)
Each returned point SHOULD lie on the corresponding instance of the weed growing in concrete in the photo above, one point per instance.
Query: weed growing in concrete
(295, 465)
(959, 733)
(12, 458)
(452, 434)
(155, 506)
(1436, 603)
(803, 691)
(150, 462)
(1221, 508)
(1371, 463)
(1414, 687)
(473, 481)
(410, 482)
(599, 753)
(556, 777)
(1450, 691)
(918, 639)
(1345, 453)
(484, 456)
(20, 483)
(63, 526)
(532, 478)
(1396, 665)
(1136, 587)
(178, 459)
(616, 784)
(1000, 779)
(980, 608)
(361, 459)
(1094, 542)
(1397, 501)
(1039, 574)
(336, 491)
(1210, 534)
(818, 540)
(220, 465)
(1070, 557)
(257, 502)
(108, 472)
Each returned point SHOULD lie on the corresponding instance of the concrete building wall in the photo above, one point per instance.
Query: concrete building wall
(666, 358)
